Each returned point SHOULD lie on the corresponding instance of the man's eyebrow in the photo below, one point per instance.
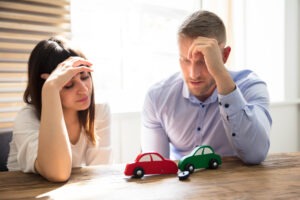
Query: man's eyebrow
(183, 57)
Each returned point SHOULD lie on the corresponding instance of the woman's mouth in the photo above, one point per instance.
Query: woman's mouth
(83, 99)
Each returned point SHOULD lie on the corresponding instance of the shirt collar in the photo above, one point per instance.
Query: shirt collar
(186, 94)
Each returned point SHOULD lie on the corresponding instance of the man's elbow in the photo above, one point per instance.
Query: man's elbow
(256, 157)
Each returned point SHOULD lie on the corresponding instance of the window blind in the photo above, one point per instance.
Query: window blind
(23, 23)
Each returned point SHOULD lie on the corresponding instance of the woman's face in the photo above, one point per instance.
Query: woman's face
(76, 94)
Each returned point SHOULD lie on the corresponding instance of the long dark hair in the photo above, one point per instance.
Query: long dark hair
(44, 58)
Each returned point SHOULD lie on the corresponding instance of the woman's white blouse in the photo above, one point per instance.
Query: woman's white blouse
(24, 144)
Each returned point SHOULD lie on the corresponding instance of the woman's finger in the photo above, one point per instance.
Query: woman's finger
(76, 61)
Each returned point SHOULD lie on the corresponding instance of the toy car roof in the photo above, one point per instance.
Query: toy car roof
(201, 147)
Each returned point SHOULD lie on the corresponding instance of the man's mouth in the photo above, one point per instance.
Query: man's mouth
(196, 83)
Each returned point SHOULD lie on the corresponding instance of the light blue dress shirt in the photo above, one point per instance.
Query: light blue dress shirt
(238, 124)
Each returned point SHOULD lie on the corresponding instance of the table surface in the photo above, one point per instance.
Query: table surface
(278, 177)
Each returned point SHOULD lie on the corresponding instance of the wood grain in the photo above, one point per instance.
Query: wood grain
(276, 178)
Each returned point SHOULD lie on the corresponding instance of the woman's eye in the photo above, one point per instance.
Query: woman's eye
(85, 77)
(68, 86)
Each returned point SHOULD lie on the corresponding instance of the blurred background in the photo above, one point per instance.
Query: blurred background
(133, 44)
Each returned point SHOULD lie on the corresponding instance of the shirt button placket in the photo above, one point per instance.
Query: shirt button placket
(199, 125)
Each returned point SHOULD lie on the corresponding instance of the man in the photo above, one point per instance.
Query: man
(206, 103)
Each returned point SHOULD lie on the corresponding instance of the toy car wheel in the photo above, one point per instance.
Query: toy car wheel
(190, 168)
(138, 172)
(213, 164)
(183, 175)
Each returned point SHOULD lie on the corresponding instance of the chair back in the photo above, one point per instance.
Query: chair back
(5, 139)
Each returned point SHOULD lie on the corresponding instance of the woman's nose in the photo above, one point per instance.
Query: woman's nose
(82, 87)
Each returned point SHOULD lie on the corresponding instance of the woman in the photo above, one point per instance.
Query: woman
(60, 127)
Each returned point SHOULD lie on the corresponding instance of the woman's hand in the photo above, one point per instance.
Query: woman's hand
(66, 70)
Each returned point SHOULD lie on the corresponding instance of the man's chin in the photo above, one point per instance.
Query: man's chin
(195, 91)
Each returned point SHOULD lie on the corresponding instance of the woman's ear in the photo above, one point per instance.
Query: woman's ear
(226, 53)
(44, 76)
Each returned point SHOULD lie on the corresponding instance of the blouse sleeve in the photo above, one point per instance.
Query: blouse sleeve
(24, 145)
(101, 152)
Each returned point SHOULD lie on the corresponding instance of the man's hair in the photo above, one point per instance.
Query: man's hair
(205, 24)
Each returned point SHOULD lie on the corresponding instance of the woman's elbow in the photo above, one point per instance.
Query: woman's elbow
(57, 177)
(55, 174)
(59, 172)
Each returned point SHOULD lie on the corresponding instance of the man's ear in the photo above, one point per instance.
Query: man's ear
(226, 53)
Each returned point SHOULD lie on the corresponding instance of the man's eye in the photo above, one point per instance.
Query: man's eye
(201, 62)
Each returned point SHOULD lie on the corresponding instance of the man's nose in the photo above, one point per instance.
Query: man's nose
(195, 70)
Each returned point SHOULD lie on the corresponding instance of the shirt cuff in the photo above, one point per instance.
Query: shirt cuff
(232, 102)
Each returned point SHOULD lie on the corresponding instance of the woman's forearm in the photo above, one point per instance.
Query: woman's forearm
(54, 159)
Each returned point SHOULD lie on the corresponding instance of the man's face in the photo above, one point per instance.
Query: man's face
(199, 81)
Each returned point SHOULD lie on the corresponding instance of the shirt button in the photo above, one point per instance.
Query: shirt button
(220, 103)
(226, 105)
(203, 106)
(233, 134)
(198, 129)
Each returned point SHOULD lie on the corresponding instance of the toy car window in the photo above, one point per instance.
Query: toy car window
(156, 157)
(145, 158)
(199, 152)
(207, 151)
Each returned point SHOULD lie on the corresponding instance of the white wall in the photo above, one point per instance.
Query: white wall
(285, 130)
(125, 136)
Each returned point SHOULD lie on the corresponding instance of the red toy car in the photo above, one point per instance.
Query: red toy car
(150, 163)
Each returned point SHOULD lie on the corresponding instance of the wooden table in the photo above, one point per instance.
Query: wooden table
(276, 178)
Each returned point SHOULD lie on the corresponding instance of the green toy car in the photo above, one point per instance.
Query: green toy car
(201, 157)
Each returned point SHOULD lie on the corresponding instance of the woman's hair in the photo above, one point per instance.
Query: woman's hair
(205, 24)
(44, 58)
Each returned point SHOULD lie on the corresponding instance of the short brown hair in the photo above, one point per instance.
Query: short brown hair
(203, 23)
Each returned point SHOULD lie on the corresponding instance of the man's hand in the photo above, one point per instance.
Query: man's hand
(211, 51)
(215, 56)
